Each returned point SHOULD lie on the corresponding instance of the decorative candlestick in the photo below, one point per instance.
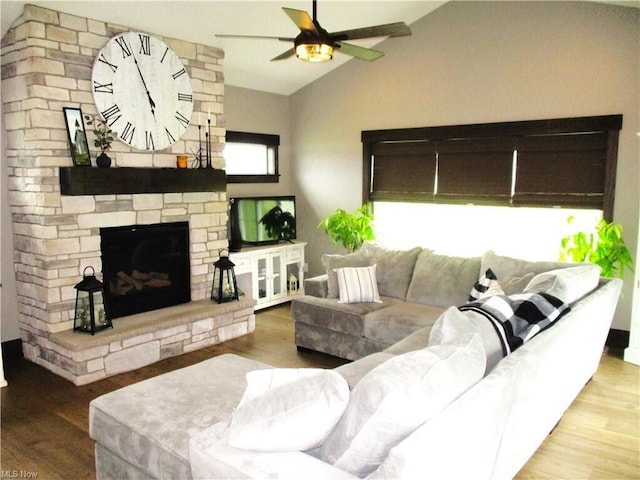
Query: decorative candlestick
(206, 142)
(209, 140)
(199, 154)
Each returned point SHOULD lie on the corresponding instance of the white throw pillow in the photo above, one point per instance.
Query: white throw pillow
(395, 398)
(567, 284)
(288, 409)
(358, 284)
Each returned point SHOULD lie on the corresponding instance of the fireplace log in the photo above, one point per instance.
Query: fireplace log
(138, 285)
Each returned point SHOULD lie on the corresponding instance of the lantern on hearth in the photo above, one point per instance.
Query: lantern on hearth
(225, 288)
(90, 314)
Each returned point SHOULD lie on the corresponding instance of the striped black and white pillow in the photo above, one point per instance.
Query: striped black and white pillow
(358, 284)
(487, 285)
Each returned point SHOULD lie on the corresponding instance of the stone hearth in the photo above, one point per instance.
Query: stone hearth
(47, 57)
(145, 338)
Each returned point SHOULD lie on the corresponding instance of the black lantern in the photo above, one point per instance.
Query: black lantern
(225, 288)
(90, 315)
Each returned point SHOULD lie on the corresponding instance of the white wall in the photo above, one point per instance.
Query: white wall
(472, 62)
(260, 112)
(8, 295)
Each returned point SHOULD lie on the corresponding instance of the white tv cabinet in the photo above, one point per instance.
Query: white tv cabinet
(264, 272)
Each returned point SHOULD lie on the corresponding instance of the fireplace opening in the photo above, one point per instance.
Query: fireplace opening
(145, 267)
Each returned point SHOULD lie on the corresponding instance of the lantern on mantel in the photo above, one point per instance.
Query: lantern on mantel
(224, 288)
(90, 314)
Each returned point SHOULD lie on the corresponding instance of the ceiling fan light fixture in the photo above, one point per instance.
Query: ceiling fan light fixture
(314, 52)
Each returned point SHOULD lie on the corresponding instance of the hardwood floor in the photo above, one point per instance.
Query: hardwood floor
(44, 427)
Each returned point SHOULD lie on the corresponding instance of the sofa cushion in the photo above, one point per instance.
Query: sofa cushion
(331, 262)
(357, 284)
(454, 324)
(415, 341)
(354, 371)
(288, 409)
(513, 273)
(394, 268)
(567, 284)
(398, 396)
(442, 280)
(393, 323)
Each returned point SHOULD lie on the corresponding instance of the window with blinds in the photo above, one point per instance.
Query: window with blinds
(251, 157)
(562, 162)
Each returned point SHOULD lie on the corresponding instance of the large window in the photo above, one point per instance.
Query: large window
(470, 230)
(567, 163)
(251, 157)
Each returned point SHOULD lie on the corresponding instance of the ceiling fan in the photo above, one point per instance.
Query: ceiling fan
(315, 44)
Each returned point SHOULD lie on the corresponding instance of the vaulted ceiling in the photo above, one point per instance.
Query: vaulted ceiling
(247, 62)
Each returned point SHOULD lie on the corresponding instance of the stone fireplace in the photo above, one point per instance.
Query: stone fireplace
(46, 65)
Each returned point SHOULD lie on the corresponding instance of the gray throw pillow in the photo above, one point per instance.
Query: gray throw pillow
(331, 262)
(443, 280)
(514, 273)
(394, 268)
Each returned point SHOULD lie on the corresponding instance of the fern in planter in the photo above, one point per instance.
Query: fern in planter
(604, 247)
(349, 229)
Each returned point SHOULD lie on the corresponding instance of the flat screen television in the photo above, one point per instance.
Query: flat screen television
(261, 220)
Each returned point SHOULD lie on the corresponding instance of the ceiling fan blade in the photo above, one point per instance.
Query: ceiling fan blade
(284, 55)
(302, 19)
(357, 51)
(259, 37)
(398, 29)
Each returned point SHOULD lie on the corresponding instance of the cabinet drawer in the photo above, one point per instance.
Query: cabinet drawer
(293, 254)
(242, 264)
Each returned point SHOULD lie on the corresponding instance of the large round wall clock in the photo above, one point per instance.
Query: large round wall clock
(142, 90)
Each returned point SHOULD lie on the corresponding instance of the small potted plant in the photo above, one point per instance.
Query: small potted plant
(103, 138)
(349, 229)
(604, 247)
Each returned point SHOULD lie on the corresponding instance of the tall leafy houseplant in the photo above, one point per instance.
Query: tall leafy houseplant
(349, 229)
(605, 247)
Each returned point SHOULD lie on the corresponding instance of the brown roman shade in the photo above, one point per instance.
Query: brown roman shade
(475, 170)
(567, 162)
(566, 170)
(403, 170)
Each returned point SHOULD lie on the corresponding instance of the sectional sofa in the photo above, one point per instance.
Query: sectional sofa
(415, 287)
(447, 398)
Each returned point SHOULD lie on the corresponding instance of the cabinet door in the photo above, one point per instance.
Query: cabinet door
(277, 276)
(262, 283)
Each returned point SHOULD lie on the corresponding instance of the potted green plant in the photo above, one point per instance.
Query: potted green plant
(279, 224)
(604, 246)
(349, 229)
(103, 138)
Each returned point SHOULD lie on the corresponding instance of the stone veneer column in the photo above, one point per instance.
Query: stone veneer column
(47, 57)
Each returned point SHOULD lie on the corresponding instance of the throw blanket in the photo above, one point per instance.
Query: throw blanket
(518, 318)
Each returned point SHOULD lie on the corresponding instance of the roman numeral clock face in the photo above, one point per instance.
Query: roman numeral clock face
(142, 90)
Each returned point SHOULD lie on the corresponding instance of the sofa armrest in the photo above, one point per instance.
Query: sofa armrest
(212, 458)
(317, 286)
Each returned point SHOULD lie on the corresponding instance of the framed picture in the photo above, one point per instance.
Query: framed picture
(77, 137)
